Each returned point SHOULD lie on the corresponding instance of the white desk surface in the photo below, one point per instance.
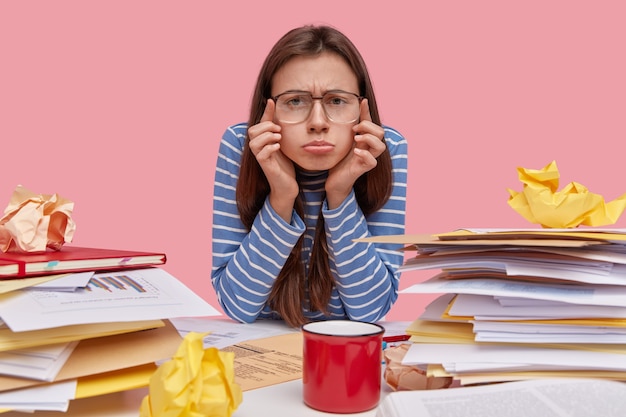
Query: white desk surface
(281, 400)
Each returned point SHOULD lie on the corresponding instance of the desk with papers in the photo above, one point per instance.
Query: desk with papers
(284, 400)
(105, 335)
(517, 308)
(122, 327)
(279, 399)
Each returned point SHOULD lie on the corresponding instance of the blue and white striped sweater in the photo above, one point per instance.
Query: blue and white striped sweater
(245, 264)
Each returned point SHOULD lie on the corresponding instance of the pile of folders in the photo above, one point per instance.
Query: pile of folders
(519, 304)
(85, 321)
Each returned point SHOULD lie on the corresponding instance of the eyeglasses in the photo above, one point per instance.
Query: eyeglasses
(339, 106)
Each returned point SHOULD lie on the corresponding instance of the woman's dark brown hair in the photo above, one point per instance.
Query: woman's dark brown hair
(372, 189)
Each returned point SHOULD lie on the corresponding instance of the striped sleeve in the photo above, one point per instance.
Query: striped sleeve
(367, 274)
(245, 264)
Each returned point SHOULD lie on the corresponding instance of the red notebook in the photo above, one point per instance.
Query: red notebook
(74, 259)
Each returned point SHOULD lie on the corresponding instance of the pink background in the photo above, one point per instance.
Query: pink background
(120, 106)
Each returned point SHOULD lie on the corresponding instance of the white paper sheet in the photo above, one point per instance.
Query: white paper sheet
(132, 295)
(226, 332)
(433, 353)
(609, 295)
(486, 306)
(41, 362)
(550, 397)
(51, 397)
(69, 282)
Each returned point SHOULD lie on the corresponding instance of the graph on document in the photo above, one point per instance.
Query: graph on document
(107, 289)
(118, 283)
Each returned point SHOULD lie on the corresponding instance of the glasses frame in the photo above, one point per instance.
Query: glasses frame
(276, 97)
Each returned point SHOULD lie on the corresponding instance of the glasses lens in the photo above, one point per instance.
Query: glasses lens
(340, 107)
(293, 107)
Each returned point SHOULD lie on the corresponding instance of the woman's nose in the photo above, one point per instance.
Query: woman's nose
(318, 117)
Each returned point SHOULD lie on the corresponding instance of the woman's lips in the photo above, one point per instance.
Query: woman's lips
(320, 147)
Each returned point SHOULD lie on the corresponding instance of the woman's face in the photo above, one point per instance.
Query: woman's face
(317, 143)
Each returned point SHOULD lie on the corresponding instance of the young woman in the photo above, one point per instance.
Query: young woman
(312, 170)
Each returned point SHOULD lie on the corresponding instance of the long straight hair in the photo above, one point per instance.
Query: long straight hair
(372, 189)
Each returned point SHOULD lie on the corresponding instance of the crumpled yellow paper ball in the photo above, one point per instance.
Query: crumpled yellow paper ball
(33, 222)
(540, 201)
(196, 382)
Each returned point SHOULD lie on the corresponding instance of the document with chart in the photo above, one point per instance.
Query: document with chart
(119, 296)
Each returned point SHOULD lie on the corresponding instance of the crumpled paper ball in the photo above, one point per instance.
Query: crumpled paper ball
(541, 203)
(408, 378)
(33, 222)
(196, 382)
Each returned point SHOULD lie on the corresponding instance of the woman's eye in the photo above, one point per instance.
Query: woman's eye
(296, 101)
(336, 101)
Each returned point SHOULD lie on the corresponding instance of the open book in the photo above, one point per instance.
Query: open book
(539, 397)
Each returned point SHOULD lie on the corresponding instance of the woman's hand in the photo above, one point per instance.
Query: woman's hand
(279, 170)
(368, 145)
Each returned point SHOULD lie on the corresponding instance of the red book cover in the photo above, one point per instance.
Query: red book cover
(74, 259)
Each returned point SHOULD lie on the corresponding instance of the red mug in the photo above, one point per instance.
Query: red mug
(341, 369)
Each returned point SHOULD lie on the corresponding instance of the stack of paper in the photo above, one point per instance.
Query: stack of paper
(520, 304)
(87, 333)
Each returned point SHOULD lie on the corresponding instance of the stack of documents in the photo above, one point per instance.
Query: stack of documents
(82, 334)
(520, 304)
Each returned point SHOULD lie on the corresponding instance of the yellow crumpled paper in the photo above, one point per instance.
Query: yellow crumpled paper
(196, 382)
(408, 378)
(33, 222)
(541, 203)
